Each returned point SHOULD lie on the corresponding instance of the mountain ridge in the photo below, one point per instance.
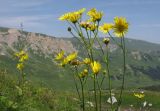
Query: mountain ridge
(143, 58)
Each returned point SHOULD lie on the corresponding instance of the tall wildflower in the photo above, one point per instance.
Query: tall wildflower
(120, 26)
(87, 32)
(22, 57)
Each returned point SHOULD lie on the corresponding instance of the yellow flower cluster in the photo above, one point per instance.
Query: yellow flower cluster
(72, 16)
(120, 27)
(139, 95)
(95, 15)
(88, 25)
(22, 57)
(71, 59)
(66, 59)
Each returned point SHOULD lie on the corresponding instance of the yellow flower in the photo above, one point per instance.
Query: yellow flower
(60, 55)
(120, 26)
(64, 62)
(19, 54)
(72, 16)
(106, 27)
(68, 59)
(20, 66)
(95, 15)
(87, 61)
(71, 56)
(139, 95)
(96, 67)
(92, 27)
(65, 16)
(23, 58)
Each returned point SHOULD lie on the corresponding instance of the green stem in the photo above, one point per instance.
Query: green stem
(82, 88)
(22, 77)
(124, 69)
(109, 77)
(76, 85)
(120, 45)
(95, 93)
(100, 94)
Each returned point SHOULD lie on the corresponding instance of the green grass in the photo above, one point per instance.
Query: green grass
(36, 97)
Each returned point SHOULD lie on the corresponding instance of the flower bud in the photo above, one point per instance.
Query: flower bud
(106, 41)
(69, 29)
(75, 62)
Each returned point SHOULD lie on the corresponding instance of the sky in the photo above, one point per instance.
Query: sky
(42, 15)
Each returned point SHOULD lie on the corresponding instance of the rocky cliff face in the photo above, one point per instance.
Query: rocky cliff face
(36, 42)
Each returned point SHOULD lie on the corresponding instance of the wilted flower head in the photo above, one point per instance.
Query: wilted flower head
(84, 24)
(95, 15)
(96, 67)
(106, 27)
(120, 26)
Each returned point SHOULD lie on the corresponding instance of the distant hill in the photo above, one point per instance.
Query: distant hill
(143, 58)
